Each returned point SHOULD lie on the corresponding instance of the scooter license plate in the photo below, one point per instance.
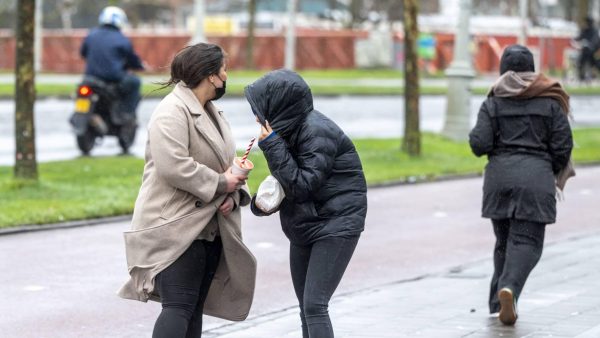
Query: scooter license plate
(82, 106)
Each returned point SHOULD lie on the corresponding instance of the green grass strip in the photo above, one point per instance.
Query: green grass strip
(344, 82)
(107, 186)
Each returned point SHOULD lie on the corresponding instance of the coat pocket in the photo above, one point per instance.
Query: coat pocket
(172, 204)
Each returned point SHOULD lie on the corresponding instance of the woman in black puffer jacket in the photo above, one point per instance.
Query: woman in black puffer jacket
(325, 203)
(523, 129)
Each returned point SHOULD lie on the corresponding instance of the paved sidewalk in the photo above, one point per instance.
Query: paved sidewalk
(561, 299)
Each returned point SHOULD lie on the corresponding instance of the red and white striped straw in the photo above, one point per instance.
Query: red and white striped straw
(248, 150)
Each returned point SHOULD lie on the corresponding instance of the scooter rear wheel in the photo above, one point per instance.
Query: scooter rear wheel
(86, 141)
(127, 135)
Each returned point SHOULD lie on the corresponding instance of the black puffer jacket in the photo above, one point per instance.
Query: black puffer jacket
(315, 162)
(527, 142)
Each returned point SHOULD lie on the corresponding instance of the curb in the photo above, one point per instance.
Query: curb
(63, 225)
(241, 95)
(423, 179)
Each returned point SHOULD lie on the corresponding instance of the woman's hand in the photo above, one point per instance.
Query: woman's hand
(265, 131)
(227, 207)
(234, 182)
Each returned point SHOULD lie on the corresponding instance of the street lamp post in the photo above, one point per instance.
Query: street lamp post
(460, 73)
(523, 5)
(290, 37)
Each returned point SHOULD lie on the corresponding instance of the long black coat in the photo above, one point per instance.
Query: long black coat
(527, 142)
(315, 162)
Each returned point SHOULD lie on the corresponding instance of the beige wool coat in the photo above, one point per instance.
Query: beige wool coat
(185, 154)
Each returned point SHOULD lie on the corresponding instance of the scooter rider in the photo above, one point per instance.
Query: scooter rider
(109, 56)
(590, 42)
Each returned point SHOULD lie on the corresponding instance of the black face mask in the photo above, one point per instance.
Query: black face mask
(219, 91)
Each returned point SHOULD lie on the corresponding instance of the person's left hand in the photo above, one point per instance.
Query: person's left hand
(227, 207)
(265, 131)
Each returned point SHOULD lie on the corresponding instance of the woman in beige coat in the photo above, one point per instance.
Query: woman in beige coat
(185, 247)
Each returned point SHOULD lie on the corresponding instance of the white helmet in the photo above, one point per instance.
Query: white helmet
(114, 16)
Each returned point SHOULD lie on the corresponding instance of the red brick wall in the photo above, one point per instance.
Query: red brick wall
(323, 50)
(314, 50)
(488, 50)
(7, 51)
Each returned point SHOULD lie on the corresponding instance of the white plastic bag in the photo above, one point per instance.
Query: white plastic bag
(269, 195)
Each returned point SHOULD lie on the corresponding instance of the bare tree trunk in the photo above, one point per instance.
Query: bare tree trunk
(250, 38)
(411, 143)
(583, 10)
(25, 161)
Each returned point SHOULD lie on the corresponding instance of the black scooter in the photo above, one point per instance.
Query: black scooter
(97, 115)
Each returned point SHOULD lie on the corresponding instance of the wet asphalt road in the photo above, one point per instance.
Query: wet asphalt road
(359, 117)
(62, 283)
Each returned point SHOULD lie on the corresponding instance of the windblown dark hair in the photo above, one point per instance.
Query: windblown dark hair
(192, 64)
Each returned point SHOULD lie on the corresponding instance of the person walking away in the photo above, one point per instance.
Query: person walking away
(110, 57)
(325, 205)
(524, 130)
(185, 246)
(590, 42)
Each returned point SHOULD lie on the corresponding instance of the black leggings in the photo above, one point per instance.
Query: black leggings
(183, 287)
(316, 272)
(518, 249)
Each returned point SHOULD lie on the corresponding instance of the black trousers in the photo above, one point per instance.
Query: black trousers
(183, 287)
(518, 249)
(586, 61)
(317, 269)
(130, 94)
